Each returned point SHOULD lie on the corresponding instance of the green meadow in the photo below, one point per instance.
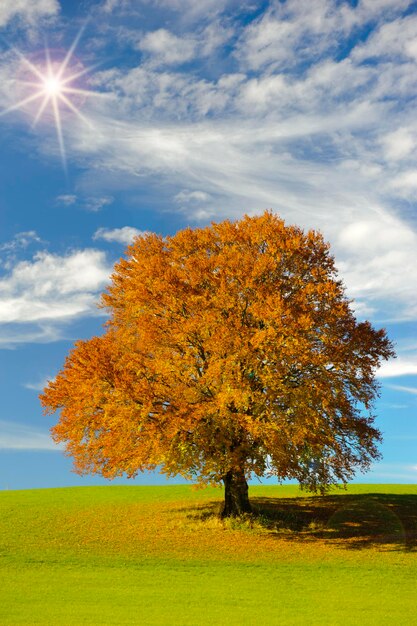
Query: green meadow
(160, 555)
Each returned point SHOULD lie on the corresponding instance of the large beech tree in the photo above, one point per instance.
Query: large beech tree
(231, 351)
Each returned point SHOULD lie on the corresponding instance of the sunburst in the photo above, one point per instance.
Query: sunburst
(53, 84)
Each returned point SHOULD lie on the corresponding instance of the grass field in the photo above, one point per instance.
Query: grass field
(160, 555)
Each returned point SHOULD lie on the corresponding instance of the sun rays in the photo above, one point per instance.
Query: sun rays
(49, 89)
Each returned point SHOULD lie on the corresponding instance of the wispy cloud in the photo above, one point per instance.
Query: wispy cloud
(109, 6)
(412, 390)
(67, 199)
(97, 203)
(14, 436)
(21, 240)
(394, 471)
(88, 203)
(281, 111)
(392, 405)
(253, 177)
(187, 11)
(14, 335)
(287, 122)
(39, 385)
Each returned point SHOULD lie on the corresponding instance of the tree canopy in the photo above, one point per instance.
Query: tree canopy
(231, 351)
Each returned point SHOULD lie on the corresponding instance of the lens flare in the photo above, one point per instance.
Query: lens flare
(54, 84)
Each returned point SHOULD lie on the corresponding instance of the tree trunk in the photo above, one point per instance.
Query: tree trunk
(236, 499)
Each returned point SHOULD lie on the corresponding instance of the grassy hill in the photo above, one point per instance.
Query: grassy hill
(160, 555)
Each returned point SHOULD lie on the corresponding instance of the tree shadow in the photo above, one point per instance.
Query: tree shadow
(387, 521)
(354, 521)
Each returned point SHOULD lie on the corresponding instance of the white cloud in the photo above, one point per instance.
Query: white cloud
(30, 11)
(399, 144)
(187, 10)
(377, 235)
(198, 204)
(195, 6)
(212, 37)
(372, 12)
(52, 287)
(405, 184)
(401, 366)
(397, 38)
(15, 436)
(166, 48)
(8, 73)
(111, 5)
(192, 196)
(163, 94)
(285, 36)
(123, 235)
(376, 258)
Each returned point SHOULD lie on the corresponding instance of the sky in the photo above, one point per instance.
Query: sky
(124, 116)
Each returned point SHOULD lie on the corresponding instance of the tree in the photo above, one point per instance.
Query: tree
(231, 351)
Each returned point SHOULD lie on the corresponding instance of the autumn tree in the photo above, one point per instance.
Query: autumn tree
(231, 351)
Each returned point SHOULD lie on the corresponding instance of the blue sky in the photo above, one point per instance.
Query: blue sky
(190, 111)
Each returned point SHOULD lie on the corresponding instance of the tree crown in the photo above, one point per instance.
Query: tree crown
(229, 348)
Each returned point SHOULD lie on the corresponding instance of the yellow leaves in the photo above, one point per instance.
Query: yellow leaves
(233, 341)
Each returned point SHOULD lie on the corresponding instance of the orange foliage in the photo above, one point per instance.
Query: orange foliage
(230, 348)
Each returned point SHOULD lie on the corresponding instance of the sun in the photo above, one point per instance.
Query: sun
(54, 85)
